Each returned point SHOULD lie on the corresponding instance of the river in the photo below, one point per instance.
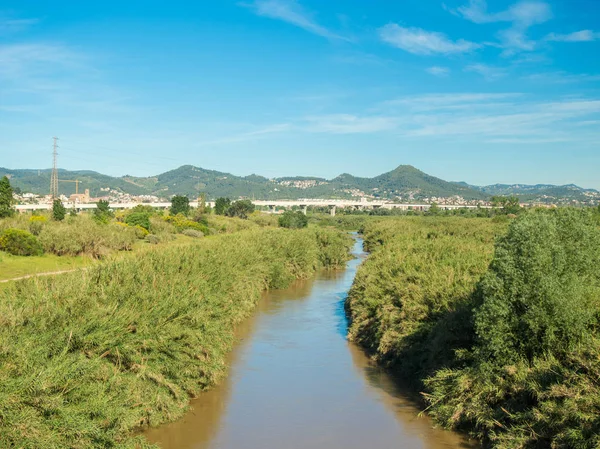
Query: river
(297, 383)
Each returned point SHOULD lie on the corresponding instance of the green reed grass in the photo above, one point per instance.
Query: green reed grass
(89, 357)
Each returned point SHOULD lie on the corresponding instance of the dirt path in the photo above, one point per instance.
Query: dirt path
(46, 273)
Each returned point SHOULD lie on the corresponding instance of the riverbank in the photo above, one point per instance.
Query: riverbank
(496, 325)
(91, 356)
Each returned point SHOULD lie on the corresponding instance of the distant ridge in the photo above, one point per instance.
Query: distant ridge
(405, 183)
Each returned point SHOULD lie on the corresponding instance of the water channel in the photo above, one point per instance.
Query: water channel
(297, 383)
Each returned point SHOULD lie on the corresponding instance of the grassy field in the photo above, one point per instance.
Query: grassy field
(87, 358)
(497, 326)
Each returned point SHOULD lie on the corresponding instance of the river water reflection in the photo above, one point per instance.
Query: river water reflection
(296, 383)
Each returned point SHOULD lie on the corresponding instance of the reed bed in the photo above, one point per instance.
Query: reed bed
(88, 358)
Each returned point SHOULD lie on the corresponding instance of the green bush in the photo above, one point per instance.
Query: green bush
(192, 233)
(138, 219)
(20, 243)
(82, 235)
(58, 210)
(293, 220)
(153, 239)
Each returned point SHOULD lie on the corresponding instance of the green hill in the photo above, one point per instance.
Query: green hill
(405, 183)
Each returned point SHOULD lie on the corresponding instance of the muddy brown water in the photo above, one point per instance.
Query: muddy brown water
(297, 383)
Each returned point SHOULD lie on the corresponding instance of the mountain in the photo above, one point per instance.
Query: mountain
(404, 183)
(542, 193)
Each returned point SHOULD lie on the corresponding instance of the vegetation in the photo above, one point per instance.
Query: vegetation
(6, 198)
(58, 210)
(509, 353)
(240, 209)
(20, 243)
(180, 205)
(293, 220)
(221, 205)
(102, 213)
(89, 357)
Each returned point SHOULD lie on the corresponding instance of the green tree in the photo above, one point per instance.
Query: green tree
(240, 209)
(293, 220)
(73, 212)
(221, 205)
(434, 209)
(6, 198)
(180, 205)
(542, 292)
(138, 219)
(102, 213)
(58, 210)
(509, 204)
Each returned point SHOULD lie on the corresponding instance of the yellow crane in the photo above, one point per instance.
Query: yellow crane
(76, 181)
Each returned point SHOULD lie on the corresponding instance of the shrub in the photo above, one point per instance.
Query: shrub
(58, 210)
(36, 223)
(140, 232)
(180, 205)
(293, 220)
(153, 239)
(141, 219)
(240, 209)
(181, 222)
(82, 235)
(192, 233)
(221, 205)
(20, 243)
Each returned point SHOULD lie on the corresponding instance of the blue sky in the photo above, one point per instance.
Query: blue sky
(483, 92)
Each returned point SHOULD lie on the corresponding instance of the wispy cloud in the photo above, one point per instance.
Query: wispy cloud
(438, 71)
(522, 15)
(349, 124)
(490, 73)
(292, 12)
(423, 42)
(483, 117)
(13, 25)
(561, 77)
(577, 36)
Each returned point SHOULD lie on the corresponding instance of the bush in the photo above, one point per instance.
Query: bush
(153, 239)
(138, 219)
(240, 209)
(181, 222)
(20, 243)
(192, 233)
(58, 210)
(180, 205)
(36, 224)
(82, 235)
(293, 220)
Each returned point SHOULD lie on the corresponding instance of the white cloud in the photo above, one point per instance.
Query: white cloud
(438, 71)
(349, 124)
(422, 42)
(291, 11)
(577, 36)
(488, 72)
(522, 15)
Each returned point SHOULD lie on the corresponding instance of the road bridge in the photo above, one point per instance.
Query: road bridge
(302, 204)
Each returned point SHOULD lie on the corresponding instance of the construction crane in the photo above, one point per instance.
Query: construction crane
(76, 181)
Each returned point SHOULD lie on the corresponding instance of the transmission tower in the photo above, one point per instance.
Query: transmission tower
(54, 177)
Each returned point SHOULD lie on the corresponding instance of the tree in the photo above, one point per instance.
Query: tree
(293, 220)
(434, 209)
(180, 205)
(221, 205)
(509, 204)
(58, 210)
(6, 198)
(102, 213)
(240, 209)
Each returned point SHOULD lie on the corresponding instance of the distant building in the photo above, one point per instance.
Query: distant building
(80, 198)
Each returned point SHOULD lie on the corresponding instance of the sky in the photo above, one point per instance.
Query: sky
(467, 90)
